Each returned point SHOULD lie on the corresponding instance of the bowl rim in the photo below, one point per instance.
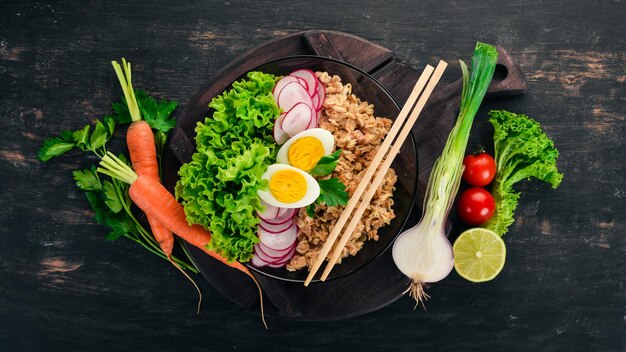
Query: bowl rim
(414, 188)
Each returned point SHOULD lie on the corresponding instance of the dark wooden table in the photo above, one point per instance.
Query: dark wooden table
(63, 288)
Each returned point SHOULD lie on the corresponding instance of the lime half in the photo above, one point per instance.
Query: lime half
(479, 254)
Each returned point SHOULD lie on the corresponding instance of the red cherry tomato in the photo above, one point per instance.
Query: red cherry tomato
(480, 169)
(476, 206)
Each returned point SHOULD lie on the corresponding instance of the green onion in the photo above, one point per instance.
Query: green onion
(423, 253)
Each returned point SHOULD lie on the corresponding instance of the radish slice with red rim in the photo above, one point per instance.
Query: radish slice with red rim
(285, 261)
(313, 123)
(270, 212)
(310, 78)
(273, 252)
(321, 91)
(286, 213)
(280, 228)
(257, 262)
(291, 94)
(297, 119)
(267, 259)
(283, 82)
(272, 256)
(279, 241)
(303, 82)
(280, 136)
(279, 221)
(315, 98)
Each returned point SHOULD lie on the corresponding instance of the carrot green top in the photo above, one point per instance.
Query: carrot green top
(127, 86)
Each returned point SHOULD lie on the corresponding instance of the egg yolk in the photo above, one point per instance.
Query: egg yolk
(305, 153)
(288, 186)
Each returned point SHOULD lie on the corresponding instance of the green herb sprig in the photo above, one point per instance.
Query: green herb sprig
(332, 191)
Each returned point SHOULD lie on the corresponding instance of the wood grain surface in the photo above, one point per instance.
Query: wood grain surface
(63, 288)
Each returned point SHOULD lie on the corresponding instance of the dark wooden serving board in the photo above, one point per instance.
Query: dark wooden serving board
(379, 283)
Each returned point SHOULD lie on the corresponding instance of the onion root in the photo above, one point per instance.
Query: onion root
(417, 291)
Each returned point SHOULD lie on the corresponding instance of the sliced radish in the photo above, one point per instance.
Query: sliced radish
(292, 94)
(278, 221)
(315, 98)
(286, 213)
(269, 260)
(272, 252)
(313, 123)
(275, 228)
(285, 261)
(283, 82)
(280, 136)
(256, 261)
(321, 91)
(278, 241)
(303, 82)
(310, 78)
(297, 119)
(270, 212)
(271, 256)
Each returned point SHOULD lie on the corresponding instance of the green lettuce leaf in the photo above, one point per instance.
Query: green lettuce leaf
(234, 147)
(522, 151)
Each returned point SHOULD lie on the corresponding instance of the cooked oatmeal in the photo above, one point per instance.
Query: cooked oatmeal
(359, 134)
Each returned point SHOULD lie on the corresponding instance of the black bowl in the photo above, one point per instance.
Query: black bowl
(405, 165)
(366, 88)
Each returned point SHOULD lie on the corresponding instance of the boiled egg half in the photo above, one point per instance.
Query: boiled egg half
(289, 187)
(305, 149)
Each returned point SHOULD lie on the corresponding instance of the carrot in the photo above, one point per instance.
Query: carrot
(162, 235)
(140, 142)
(142, 150)
(143, 156)
(157, 202)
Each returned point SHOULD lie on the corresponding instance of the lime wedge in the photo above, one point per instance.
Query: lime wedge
(479, 254)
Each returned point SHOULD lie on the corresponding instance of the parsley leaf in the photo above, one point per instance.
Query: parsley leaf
(122, 226)
(56, 146)
(147, 105)
(109, 122)
(99, 136)
(87, 179)
(112, 200)
(164, 111)
(332, 192)
(100, 209)
(326, 165)
(81, 138)
(122, 115)
(156, 114)
(310, 210)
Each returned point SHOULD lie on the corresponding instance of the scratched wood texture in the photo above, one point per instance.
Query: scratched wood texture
(62, 288)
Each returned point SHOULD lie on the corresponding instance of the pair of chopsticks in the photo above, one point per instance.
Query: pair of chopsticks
(390, 148)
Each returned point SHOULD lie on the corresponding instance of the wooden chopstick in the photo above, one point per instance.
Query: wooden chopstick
(352, 203)
(382, 171)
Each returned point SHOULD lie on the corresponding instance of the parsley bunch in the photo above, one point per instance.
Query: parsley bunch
(109, 199)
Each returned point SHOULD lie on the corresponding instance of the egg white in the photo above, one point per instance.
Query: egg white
(312, 188)
(325, 137)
